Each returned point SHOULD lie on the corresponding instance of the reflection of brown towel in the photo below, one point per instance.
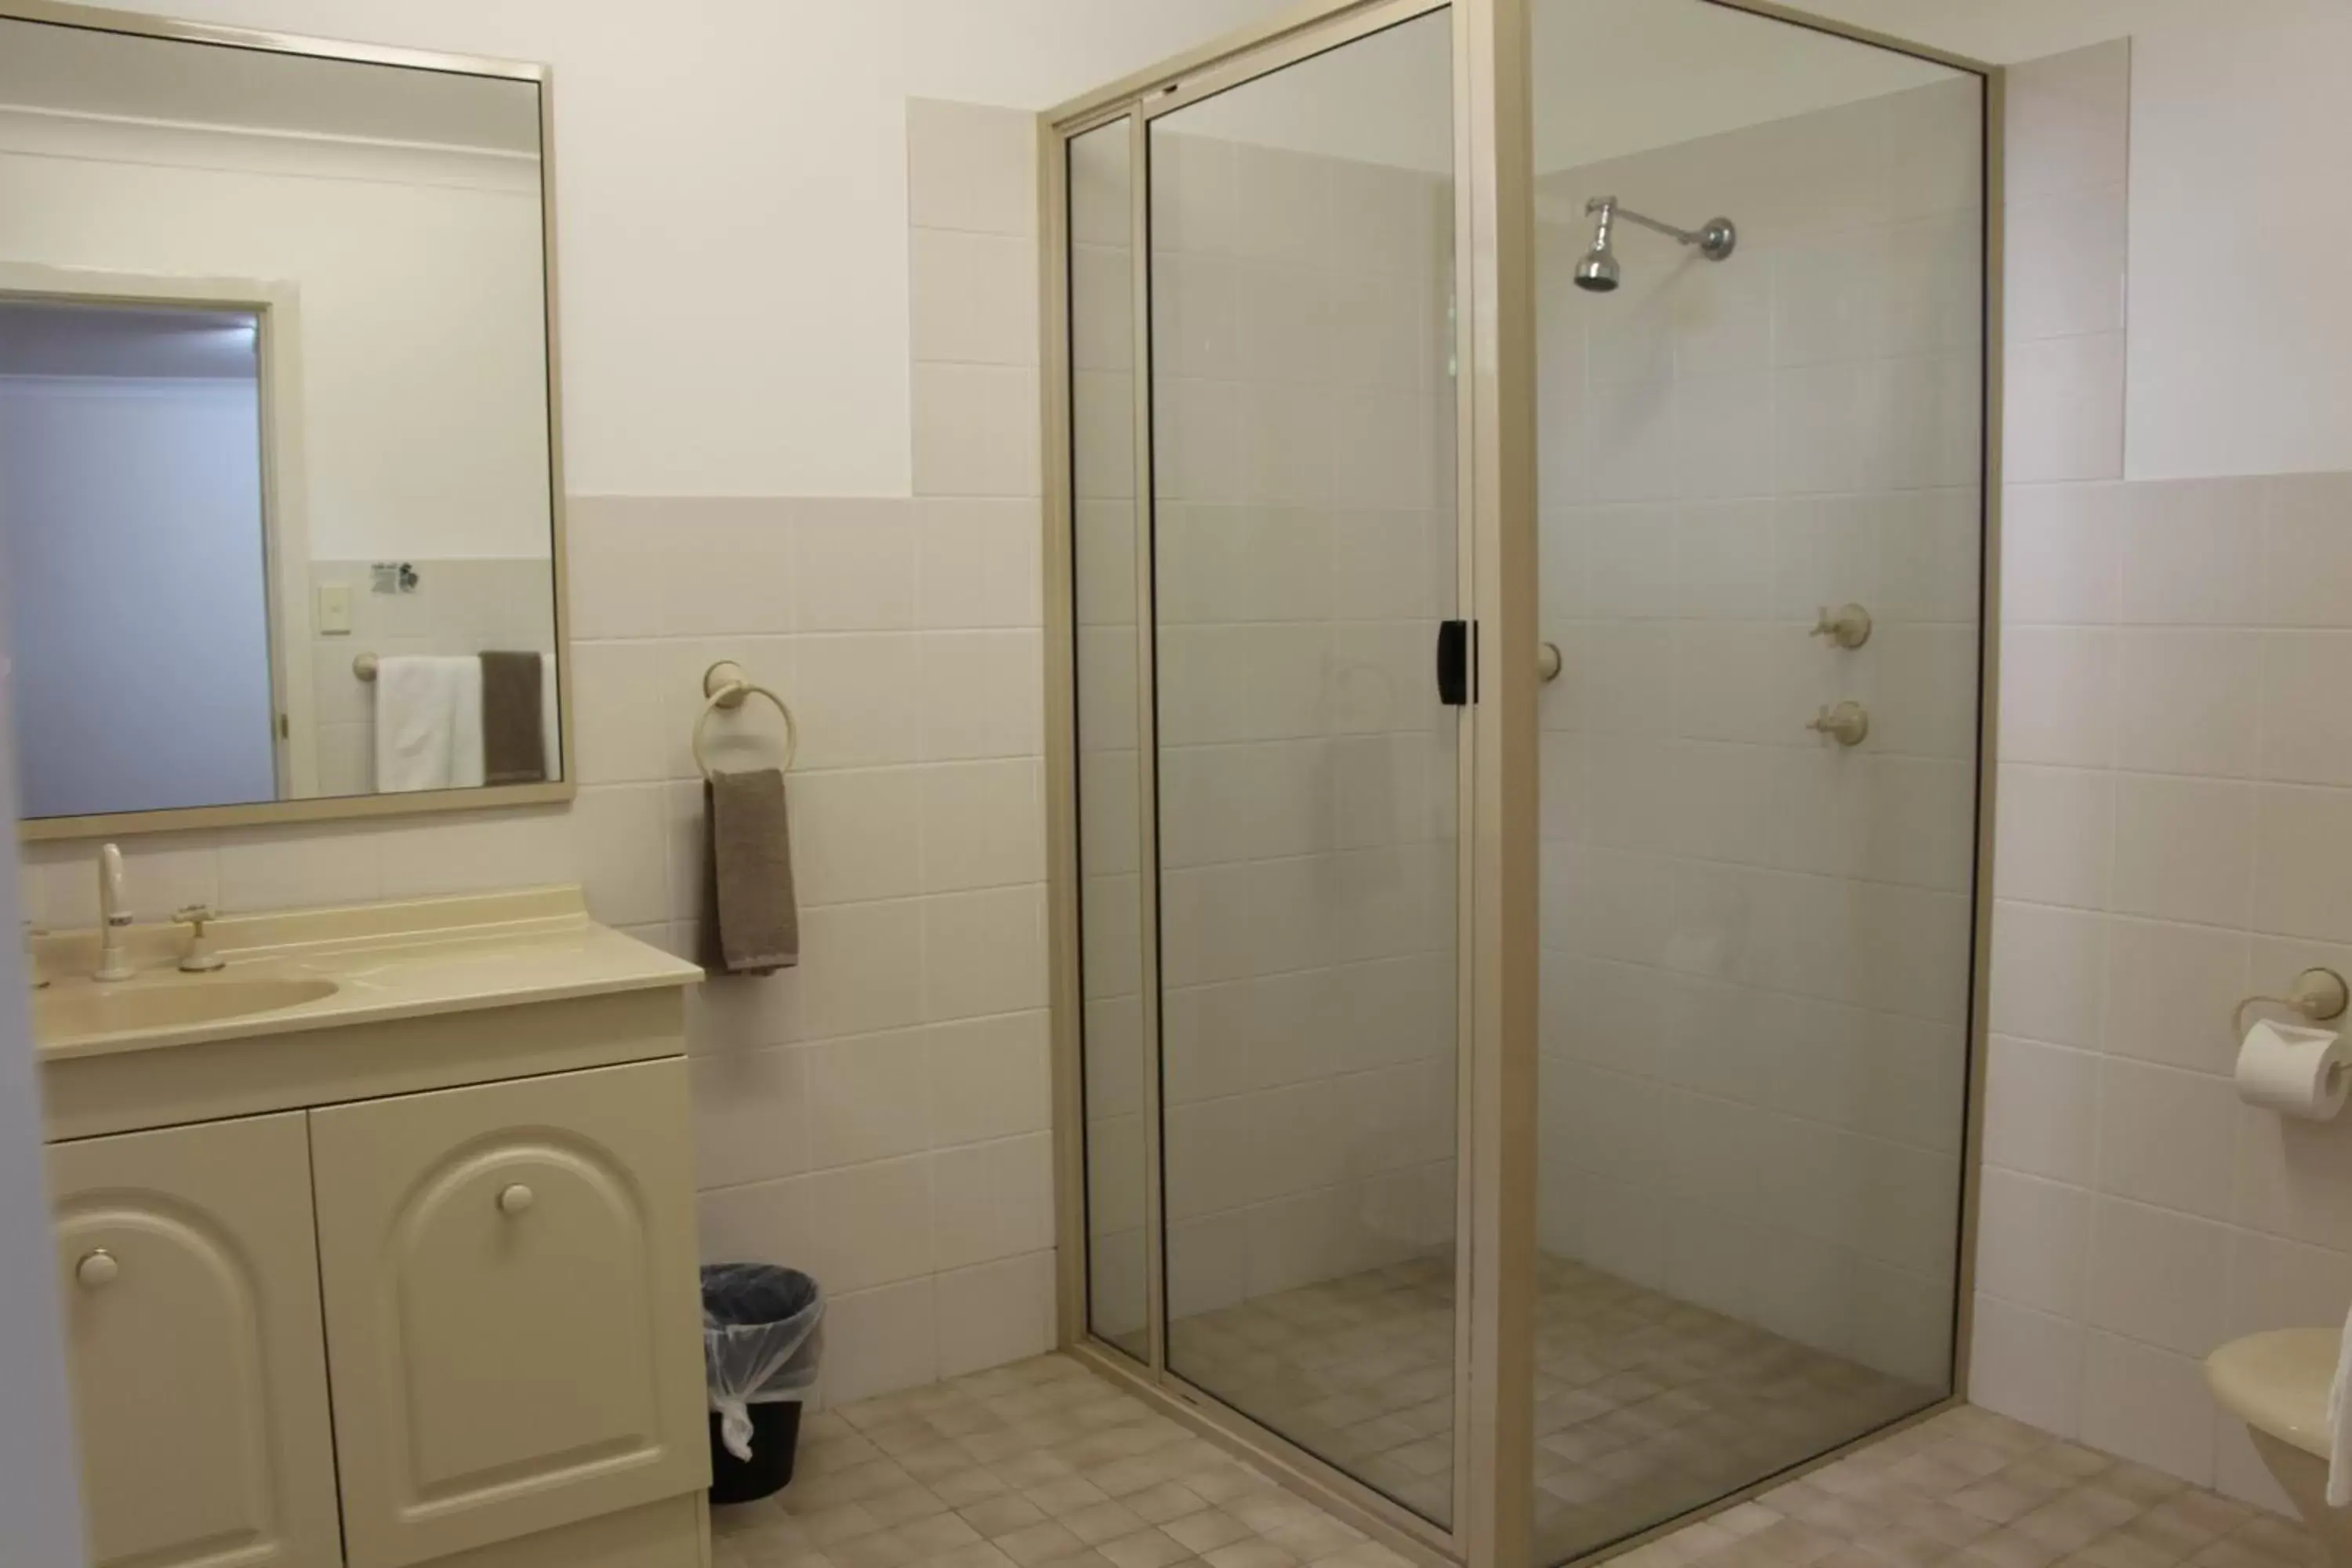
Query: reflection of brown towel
(752, 925)
(514, 747)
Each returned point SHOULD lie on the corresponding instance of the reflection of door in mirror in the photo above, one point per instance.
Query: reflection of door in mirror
(131, 520)
(332, 572)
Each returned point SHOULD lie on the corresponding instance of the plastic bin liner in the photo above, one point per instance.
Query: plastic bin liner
(761, 1342)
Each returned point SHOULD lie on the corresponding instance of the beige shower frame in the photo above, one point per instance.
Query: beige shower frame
(1496, 480)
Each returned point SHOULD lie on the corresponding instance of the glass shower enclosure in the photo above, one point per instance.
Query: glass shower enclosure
(1520, 539)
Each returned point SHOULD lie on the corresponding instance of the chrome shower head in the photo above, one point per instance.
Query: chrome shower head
(1597, 271)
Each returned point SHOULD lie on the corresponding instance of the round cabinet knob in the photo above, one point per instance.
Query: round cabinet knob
(516, 1198)
(96, 1269)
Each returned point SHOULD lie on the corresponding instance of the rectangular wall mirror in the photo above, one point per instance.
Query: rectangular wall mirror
(281, 493)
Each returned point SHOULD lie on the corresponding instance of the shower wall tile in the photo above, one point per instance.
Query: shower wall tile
(1305, 550)
(973, 168)
(2069, 121)
(2062, 417)
(2065, 264)
(2065, 160)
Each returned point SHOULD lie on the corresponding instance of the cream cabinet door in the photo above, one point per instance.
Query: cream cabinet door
(192, 1320)
(513, 1321)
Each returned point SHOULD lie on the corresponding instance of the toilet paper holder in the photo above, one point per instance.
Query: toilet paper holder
(2318, 995)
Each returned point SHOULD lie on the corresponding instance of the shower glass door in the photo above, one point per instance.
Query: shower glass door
(1303, 553)
(1761, 315)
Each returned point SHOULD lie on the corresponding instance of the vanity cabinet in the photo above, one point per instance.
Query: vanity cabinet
(394, 1287)
(512, 1317)
(193, 1342)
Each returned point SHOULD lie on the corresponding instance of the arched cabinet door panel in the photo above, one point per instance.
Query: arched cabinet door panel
(192, 1322)
(512, 1315)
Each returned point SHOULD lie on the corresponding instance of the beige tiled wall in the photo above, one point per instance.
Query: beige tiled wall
(1756, 943)
(879, 1115)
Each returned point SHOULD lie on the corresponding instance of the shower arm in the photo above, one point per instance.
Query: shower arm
(1714, 240)
(1607, 208)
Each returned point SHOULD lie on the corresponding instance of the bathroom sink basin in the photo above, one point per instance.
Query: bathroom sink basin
(73, 1011)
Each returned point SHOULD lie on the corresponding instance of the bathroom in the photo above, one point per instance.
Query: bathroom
(1744, 1064)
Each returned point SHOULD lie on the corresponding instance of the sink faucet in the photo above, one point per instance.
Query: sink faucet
(113, 919)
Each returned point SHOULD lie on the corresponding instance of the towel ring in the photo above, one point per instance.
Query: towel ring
(725, 685)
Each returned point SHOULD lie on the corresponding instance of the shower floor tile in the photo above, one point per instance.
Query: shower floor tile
(1043, 1464)
(1646, 1406)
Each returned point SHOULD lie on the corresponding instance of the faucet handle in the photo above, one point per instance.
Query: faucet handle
(199, 959)
(1846, 626)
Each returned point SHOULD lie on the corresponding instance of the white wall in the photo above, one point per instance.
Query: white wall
(131, 511)
(731, 227)
(417, 277)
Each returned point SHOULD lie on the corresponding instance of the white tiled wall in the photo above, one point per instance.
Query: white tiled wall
(1305, 551)
(879, 1115)
(2175, 809)
(1755, 941)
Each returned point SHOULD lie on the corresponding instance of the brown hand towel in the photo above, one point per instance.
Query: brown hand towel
(514, 740)
(753, 925)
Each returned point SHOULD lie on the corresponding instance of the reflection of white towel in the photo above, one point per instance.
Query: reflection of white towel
(550, 728)
(428, 723)
(2339, 1425)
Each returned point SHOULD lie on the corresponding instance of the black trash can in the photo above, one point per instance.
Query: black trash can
(761, 1345)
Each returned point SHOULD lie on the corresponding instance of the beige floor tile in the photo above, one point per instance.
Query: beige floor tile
(1003, 1515)
(1037, 1543)
(1066, 1494)
(1204, 1531)
(1103, 1521)
(881, 1549)
(1249, 1554)
(1144, 1549)
(1649, 1407)
(1169, 1500)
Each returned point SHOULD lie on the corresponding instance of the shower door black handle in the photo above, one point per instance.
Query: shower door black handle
(1458, 653)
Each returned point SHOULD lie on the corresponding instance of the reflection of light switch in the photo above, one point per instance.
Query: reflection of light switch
(334, 609)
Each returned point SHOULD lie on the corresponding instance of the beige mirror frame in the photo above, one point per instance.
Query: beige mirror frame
(282, 437)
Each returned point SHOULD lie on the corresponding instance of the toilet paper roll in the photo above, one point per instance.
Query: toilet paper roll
(2293, 1070)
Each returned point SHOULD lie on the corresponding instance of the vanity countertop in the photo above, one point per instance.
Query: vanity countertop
(384, 962)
